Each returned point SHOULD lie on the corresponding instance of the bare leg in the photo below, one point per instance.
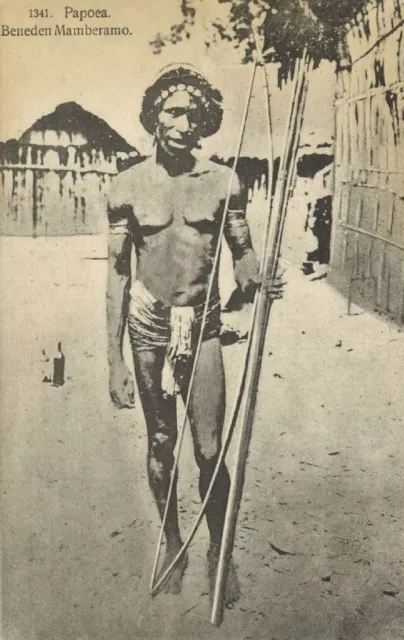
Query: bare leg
(161, 420)
(206, 413)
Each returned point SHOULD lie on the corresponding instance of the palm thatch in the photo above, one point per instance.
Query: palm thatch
(71, 118)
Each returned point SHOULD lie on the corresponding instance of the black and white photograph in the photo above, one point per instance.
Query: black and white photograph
(201, 320)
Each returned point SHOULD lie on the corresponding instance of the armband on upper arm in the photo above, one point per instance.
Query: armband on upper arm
(120, 226)
(118, 211)
(236, 218)
(120, 245)
(237, 232)
(118, 217)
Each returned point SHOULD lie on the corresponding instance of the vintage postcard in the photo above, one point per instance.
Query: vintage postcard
(201, 316)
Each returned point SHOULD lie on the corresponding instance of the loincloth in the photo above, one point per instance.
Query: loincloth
(154, 325)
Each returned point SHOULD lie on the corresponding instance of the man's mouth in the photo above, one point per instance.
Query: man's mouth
(182, 143)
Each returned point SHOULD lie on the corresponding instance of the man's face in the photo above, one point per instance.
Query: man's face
(177, 124)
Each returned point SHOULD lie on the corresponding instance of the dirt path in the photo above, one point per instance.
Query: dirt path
(320, 537)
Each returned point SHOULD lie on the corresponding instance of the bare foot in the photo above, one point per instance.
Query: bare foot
(232, 587)
(173, 583)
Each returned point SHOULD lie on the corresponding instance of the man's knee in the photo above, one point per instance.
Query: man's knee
(162, 446)
(207, 452)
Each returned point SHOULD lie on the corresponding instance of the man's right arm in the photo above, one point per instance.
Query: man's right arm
(119, 276)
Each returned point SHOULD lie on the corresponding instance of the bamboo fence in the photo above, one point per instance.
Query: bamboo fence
(368, 216)
(54, 190)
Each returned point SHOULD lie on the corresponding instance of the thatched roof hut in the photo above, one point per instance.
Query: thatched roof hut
(70, 124)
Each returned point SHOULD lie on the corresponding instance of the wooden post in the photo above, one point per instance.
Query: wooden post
(269, 269)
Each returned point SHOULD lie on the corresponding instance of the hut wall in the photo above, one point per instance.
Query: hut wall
(54, 191)
(368, 214)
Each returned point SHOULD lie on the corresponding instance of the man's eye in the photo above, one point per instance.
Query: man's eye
(176, 112)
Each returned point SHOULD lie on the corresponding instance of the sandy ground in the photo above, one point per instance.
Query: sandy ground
(320, 535)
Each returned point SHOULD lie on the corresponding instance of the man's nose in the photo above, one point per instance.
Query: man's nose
(184, 124)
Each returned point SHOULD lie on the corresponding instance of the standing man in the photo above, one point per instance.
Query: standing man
(170, 207)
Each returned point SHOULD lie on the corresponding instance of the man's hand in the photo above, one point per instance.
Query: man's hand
(276, 289)
(121, 386)
(247, 275)
(249, 279)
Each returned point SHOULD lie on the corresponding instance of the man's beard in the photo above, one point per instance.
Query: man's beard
(190, 142)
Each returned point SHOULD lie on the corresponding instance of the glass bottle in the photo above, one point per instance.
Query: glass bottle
(59, 367)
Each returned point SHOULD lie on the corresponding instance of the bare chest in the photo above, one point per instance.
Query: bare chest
(162, 201)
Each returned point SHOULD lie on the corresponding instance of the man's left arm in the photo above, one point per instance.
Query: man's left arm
(237, 234)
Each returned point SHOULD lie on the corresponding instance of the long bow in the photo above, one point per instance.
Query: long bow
(273, 241)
